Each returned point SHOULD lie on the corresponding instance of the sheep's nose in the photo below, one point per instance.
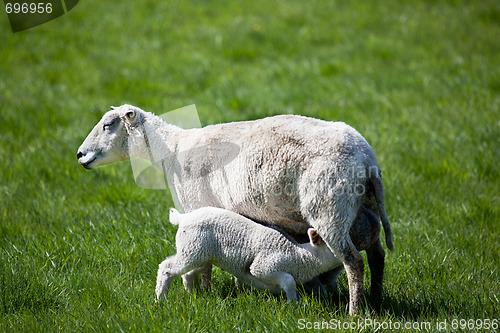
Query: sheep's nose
(79, 154)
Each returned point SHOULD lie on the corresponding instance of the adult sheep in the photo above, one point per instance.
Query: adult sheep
(290, 171)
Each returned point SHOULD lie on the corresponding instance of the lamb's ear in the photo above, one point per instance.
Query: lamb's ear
(314, 238)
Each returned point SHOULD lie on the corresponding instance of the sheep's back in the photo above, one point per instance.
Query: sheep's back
(266, 163)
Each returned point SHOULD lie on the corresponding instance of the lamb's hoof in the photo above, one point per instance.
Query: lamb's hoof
(158, 299)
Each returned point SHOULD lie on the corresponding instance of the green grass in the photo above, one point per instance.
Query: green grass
(420, 80)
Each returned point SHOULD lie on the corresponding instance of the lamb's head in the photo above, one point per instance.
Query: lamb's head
(108, 141)
(318, 246)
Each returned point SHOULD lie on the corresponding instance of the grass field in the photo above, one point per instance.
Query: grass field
(79, 250)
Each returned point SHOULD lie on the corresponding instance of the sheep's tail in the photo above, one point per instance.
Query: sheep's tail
(378, 186)
(175, 216)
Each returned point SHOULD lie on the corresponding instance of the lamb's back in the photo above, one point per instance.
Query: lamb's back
(229, 237)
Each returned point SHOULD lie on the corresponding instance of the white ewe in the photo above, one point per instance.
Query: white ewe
(289, 171)
(258, 255)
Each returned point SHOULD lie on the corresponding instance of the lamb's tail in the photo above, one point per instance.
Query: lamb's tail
(378, 186)
(175, 216)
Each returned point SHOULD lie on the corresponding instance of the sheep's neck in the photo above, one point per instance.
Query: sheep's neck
(155, 141)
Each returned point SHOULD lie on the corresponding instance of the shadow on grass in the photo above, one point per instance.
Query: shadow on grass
(430, 307)
(400, 308)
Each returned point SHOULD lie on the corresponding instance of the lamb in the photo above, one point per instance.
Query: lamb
(289, 171)
(365, 236)
(256, 254)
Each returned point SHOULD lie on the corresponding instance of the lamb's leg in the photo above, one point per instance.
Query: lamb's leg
(264, 270)
(330, 280)
(285, 281)
(316, 287)
(166, 273)
(206, 276)
(168, 270)
(237, 283)
(191, 279)
(376, 258)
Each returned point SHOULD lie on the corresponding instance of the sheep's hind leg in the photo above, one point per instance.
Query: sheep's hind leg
(344, 249)
(376, 259)
(354, 266)
(365, 234)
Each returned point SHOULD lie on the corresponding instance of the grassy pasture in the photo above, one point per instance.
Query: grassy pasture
(419, 79)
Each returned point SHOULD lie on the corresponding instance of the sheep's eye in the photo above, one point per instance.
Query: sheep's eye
(107, 126)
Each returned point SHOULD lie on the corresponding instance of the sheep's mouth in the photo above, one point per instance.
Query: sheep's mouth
(86, 164)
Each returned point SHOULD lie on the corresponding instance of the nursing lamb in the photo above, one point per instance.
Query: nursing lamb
(290, 171)
(258, 255)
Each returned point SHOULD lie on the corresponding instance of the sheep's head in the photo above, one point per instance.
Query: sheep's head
(108, 141)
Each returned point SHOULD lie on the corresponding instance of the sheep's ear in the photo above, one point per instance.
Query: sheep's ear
(314, 238)
(129, 116)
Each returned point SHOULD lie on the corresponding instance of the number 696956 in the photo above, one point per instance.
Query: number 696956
(28, 8)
